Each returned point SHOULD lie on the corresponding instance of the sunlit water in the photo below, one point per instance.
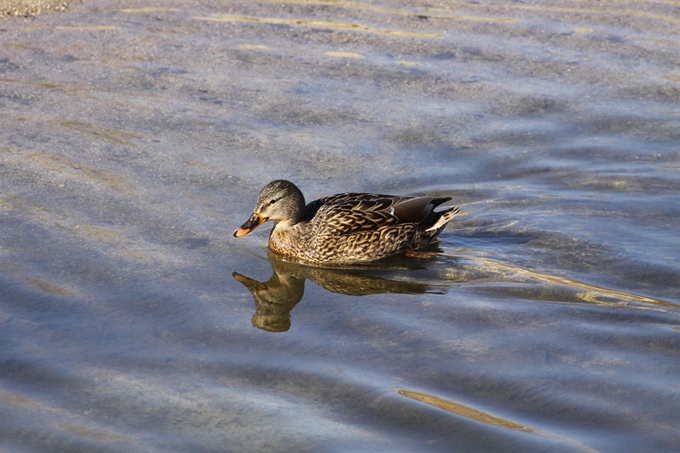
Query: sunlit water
(134, 139)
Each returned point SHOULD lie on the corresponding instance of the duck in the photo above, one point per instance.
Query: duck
(345, 228)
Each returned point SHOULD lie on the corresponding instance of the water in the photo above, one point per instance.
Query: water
(134, 139)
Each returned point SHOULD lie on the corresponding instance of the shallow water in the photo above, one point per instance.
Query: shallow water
(134, 139)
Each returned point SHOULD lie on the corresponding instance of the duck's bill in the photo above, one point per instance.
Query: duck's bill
(253, 222)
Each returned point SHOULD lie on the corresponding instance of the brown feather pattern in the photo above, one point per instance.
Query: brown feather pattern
(347, 227)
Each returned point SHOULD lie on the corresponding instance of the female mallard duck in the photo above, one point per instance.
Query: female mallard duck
(347, 227)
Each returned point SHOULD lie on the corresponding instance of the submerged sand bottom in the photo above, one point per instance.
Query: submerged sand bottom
(33, 7)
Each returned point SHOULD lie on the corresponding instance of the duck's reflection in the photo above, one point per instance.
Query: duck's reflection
(275, 298)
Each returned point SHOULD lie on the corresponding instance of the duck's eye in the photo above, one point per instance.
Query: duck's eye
(273, 201)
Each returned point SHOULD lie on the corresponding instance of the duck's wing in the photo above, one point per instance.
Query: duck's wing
(352, 212)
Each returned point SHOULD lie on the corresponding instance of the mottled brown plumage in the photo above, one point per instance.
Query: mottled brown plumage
(345, 228)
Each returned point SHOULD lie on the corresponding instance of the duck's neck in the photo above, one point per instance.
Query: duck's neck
(295, 218)
(296, 213)
(285, 224)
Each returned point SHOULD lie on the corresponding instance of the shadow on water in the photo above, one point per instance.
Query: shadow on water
(434, 272)
(276, 297)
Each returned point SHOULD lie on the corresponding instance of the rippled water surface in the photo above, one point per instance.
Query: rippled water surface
(135, 138)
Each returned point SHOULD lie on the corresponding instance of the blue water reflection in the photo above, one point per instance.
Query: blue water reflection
(135, 138)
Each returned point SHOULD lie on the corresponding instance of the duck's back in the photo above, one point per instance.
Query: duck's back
(354, 227)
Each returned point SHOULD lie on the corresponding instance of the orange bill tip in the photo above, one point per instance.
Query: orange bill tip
(252, 223)
(241, 232)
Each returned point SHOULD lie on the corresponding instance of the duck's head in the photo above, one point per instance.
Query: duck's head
(280, 201)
